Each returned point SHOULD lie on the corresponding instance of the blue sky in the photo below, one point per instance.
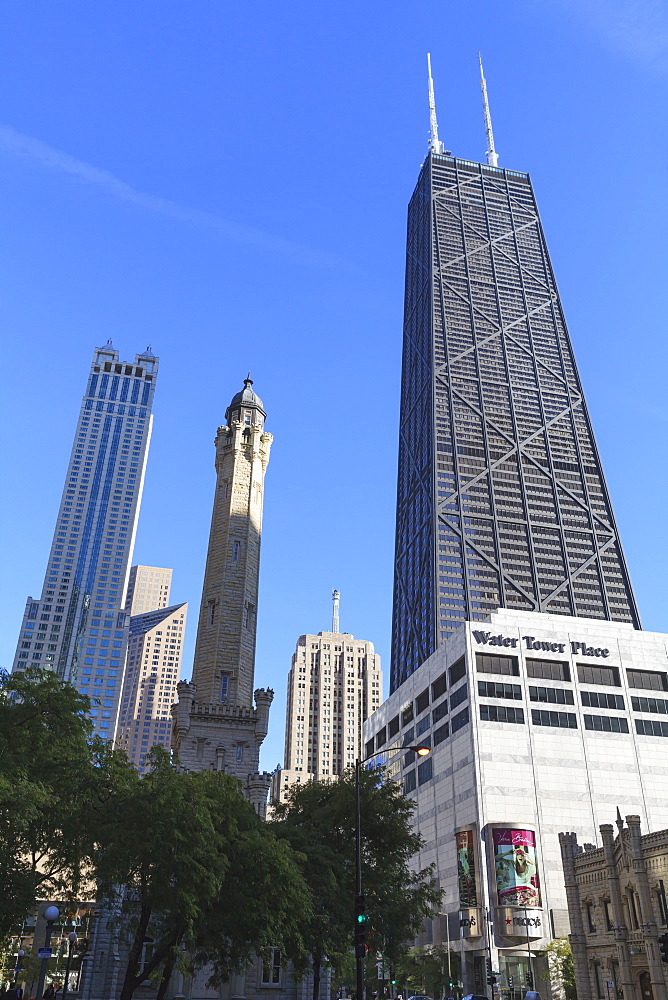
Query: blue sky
(228, 182)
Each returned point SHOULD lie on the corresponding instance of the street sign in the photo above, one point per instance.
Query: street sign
(610, 984)
(45, 953)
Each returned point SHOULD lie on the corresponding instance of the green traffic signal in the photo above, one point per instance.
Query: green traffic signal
(361, 918)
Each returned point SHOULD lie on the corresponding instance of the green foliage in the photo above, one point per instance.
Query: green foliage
(52, 775)
(319, 822)
(182, 859)
(426, 971)
(179, 858)
(187, 863)
(262, 903)
(562, 971)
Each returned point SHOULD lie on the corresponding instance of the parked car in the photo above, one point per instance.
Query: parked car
(420, 996)
(475, 996)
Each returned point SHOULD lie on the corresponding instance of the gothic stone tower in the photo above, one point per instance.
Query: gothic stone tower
(216, 723)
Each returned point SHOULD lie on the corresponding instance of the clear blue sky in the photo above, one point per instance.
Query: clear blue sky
(228, 181)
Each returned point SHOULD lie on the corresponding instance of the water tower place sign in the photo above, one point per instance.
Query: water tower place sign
(539, 645)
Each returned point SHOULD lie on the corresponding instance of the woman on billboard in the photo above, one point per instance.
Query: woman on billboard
(517, 881)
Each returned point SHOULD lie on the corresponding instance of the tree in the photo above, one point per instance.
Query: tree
(189, 865)
(560, 965)
(422, 970)
(263, 902)
(319, 822)
(179, 858)
(52, 774)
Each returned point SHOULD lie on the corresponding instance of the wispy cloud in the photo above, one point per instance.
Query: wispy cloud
(16, 143)
(636, 29)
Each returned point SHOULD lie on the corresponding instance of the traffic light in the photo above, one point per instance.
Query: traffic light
(663, 947)
(529, 980)
(360, 927)
(511, 983)
(491, 978)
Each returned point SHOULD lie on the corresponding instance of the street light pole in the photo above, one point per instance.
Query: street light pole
(72, 938)
(360, 903)
(360, 916)
(51, 913)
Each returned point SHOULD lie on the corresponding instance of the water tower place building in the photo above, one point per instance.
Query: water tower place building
(537, 723)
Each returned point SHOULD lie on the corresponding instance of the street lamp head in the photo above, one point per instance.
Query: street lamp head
(72, 936)
(51, 913)
(421, 751)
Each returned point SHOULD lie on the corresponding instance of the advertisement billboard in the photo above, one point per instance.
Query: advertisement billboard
(468, 895)
(517, 881)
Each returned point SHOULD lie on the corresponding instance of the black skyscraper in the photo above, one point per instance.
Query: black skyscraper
(501, 495)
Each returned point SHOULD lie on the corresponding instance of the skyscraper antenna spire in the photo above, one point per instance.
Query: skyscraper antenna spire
(435, 145)
(335, 611)
(492, 155)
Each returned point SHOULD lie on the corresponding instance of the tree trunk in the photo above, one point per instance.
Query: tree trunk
(130, 981)
(166, 975)
(160, 954)
(317, 963)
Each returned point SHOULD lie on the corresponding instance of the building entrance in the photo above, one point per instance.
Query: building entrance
(646, 991)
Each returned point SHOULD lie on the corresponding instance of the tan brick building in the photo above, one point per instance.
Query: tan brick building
(335, 683)
(148, 589)
(152, 672)
(617, 911)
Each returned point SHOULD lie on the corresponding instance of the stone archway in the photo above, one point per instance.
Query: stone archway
(645, 986)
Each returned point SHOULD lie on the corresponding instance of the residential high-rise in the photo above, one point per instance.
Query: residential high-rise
(220, 722)
(148, 589)
(335, 683)
(78, 626)
(151, 676)
(501, 498)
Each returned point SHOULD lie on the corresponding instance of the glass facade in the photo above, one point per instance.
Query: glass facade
(501, 498)
(78, 627)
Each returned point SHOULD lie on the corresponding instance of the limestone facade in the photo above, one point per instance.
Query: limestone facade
(219, 737)
(220, 721)
(224, 662)
(617, 909)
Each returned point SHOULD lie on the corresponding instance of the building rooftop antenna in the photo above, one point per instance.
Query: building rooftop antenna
(492, 155)
(435, 145)
(335, 611)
